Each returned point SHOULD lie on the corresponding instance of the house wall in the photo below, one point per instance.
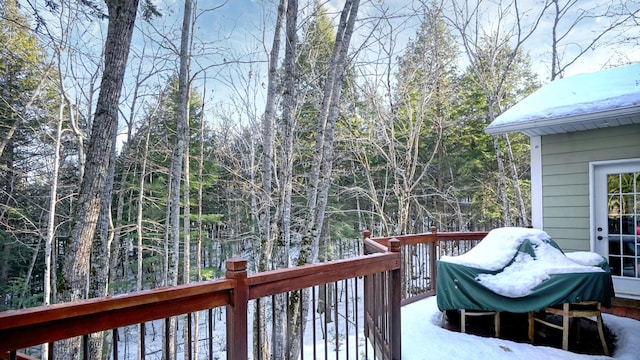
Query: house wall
(565, 178)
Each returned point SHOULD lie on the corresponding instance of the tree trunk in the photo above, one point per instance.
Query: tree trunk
(177, 158)
(503, 182)
(266, 242)
(323, 158)
(524, 219)
(122, 15)
(320, 177)
(102, 250)
(198, 259)
(286, 174)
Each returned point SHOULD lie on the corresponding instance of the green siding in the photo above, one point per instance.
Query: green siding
(565, 178)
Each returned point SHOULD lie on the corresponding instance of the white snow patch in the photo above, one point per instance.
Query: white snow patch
(424, 339)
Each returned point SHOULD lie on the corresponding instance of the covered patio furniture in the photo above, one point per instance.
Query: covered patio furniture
(520, 270)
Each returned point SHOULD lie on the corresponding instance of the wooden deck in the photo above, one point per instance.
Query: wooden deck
(624, 308)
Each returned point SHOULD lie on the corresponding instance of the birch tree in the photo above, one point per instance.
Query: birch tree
(420, 116)
(177, 164)
(323, 156)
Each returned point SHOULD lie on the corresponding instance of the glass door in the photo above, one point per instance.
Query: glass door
(617, 233)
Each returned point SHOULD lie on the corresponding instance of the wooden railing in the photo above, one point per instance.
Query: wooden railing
(419, 253)
(391, 271)
(47, 324)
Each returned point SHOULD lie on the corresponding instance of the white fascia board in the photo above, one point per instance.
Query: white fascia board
(537, 123)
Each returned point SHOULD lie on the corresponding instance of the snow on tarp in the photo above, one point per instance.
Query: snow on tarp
(520, 270)
(606, 90)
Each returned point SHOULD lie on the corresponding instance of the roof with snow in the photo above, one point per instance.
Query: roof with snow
(601, 99)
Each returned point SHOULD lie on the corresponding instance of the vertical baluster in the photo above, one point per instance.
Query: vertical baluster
(326, 325)
(188, 343)
(301, 326)
(346, 317)
(355, 316)
(287, 330)
(143, 343)
(210, 331)
(114, 340)
(85, 347)
(335, 316)
(273, 324)
(313, 315)
(167, 324)
(258, 329)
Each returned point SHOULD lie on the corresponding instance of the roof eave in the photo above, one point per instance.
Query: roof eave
(530, 127)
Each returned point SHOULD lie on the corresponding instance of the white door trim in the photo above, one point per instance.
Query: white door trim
(614, 166)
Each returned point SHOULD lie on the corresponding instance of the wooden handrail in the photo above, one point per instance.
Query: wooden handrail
(272, 282)
(43, 324)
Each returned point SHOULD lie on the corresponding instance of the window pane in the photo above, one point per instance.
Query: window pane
(629, 245)
(628, 225)
(629, 267)
(627, 183)
(614, 245)
(613, 183)
(614, 206)
(614, 263)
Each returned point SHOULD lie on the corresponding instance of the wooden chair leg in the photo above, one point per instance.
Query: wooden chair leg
(601, 333)
(531, 327)
(565, 326)
(463, 321)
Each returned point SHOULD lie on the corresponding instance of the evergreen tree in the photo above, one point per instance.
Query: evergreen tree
(26, 100)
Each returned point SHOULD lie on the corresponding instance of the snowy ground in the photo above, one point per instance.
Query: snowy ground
(423, 338)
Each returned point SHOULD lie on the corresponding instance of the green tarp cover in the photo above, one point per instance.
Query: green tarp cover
(457, 287)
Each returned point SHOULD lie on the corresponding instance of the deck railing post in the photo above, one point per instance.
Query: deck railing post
(433, 256)
(395, 292)
(237, 341)
(365, 235)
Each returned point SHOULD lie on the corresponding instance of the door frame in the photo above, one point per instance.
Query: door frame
(596, 196)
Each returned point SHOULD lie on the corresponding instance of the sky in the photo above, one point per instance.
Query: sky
(252, 16)
(244, 29)
(233, 37)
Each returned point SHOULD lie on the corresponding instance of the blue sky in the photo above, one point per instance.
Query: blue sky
(233, 38)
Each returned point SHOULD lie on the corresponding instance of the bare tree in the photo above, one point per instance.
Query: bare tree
(177, 159)
(492, 55)
(122, 16)
(615, 19)
(320, 177)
